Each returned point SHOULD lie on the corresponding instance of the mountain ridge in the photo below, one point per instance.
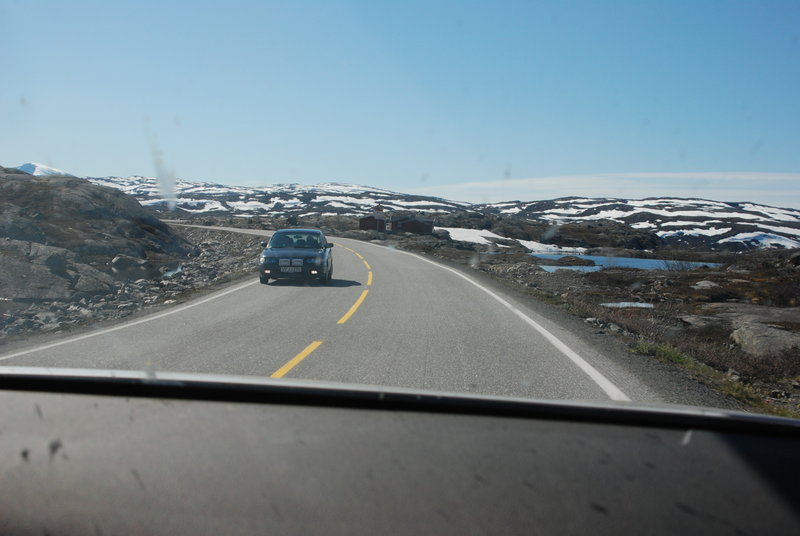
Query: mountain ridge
(689, 222)
(34, 168)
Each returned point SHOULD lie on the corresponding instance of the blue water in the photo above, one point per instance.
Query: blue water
(576, 268)
(622, 262)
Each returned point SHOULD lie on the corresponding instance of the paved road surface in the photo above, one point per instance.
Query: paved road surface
(388, 318)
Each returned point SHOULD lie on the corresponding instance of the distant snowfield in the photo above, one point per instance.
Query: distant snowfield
(538, 247)
(673, 219)
(476, 236)
(40, 169)
(764, 240)
(488, 238)
(713, 231)
(699, 222)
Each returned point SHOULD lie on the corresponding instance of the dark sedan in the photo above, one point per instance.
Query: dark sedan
(296, 254)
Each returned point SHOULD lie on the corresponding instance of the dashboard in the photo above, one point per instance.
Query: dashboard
(109, 452)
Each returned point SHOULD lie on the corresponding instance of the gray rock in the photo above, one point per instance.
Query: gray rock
(763, 340)
(84, 293)
(703, 285)
(698, 321)
(125, 266)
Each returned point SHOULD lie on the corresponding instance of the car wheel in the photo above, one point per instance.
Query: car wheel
(325, 277)
(264, 280)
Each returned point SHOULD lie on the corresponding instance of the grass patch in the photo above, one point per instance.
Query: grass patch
(544, 296)
(746, 394)
(663, 352)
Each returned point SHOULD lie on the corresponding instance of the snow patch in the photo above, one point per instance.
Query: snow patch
(764, 240)
(624, 304)
(538, 247)
(713, 231)
(35, 168)
(477, 236)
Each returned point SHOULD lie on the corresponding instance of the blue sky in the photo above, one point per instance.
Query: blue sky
(470, 100)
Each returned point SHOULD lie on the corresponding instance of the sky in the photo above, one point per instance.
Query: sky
(468, 100)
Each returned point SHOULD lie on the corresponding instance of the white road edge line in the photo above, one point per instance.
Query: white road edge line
(614, 392)
(127, 324)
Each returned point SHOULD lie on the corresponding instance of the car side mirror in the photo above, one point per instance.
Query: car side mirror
(328, 245)
(263, 243)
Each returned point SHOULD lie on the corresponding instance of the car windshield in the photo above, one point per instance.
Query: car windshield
(296, 240)
(564, 201)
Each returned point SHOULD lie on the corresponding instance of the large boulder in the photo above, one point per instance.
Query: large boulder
(128, 267)
(96, 223)
(758, 330)
(64, 238)
(762, 339)
(35, 272)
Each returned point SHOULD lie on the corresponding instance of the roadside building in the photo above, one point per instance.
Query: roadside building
(411, 223)
(376, 221)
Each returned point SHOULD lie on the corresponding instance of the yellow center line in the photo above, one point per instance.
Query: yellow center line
(292, 363)
(360, 299)
(355, 306)
(354, 252)
(281, 372)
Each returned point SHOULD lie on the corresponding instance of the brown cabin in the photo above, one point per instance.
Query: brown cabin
(375, 222)
(411, 223)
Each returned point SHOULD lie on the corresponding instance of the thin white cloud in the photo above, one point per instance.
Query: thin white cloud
(777, 189)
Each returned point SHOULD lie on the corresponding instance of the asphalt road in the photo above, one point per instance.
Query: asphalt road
(388, 318)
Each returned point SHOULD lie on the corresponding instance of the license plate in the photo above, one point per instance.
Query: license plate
(291, 269)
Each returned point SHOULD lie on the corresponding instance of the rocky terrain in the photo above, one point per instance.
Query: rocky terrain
(73, 252)
(219, 257)
(686, 223)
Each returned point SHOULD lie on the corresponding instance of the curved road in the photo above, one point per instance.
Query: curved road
(388, 318)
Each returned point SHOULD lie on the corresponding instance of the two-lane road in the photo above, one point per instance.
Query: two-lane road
(388, 318)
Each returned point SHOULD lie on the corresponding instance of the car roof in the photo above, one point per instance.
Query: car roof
(298, 230)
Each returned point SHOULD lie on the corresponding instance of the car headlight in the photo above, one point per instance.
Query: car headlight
(316, 261)
(262, 259)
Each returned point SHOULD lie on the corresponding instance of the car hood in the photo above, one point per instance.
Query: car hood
(292, 252)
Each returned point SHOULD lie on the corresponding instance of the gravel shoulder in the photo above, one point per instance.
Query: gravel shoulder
(220, 258)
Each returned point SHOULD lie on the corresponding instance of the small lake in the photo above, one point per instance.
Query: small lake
(602, 262)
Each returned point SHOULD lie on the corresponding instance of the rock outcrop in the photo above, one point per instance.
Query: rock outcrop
(62, 238)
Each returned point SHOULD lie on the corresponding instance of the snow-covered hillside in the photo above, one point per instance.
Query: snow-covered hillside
(691, 222)
(40, 169)
(695, 222)
(488, 238)
(278, 200)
